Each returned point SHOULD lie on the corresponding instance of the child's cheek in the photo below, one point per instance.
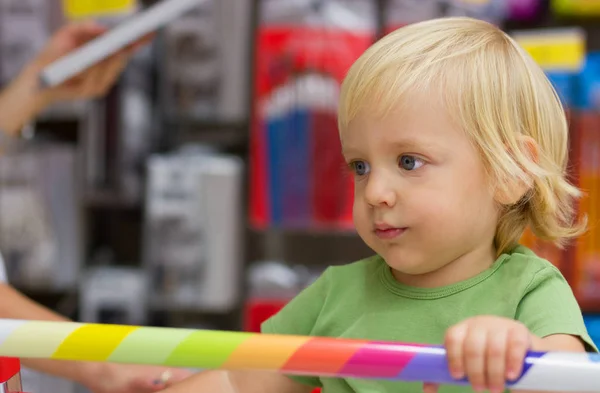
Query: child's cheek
(360, 216)
(436, 214)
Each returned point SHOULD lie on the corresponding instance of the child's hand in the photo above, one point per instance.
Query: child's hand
(488, 350)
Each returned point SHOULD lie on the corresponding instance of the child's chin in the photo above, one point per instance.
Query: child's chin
(407, 263)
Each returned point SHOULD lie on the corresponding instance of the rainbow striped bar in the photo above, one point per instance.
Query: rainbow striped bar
(293, 355)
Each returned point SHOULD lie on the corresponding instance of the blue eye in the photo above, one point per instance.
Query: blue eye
(409, 163)
(361, 168)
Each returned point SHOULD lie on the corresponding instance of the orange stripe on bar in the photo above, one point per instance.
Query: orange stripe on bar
(264, 352)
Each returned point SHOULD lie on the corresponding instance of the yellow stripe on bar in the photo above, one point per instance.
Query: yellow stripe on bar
(92, 342)
(274, 351)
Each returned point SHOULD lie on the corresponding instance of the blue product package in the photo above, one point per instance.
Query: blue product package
(592, 322)
(587, 95)
(563, 83)
(296, 161)
(275, 127)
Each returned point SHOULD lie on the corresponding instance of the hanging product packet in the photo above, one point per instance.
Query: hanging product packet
(304, 49)
(493, 11)
(524, 10)
(398, 13)
(77, 9)
(575, 7)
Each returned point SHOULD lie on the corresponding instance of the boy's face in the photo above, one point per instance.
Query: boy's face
(422, 199)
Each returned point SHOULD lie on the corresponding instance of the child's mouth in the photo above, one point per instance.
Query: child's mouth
(389, 233)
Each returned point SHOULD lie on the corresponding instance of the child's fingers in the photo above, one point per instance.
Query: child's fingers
(496, 360)
(454, 343)
(474, 358)
(518, 343)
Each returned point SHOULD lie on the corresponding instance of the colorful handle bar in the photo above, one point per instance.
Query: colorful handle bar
(292, 355)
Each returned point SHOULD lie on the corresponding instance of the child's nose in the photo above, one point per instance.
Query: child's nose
(380, 191)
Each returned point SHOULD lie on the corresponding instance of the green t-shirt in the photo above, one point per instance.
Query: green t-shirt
(362, 300)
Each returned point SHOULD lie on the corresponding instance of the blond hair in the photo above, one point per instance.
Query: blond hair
(496, 93)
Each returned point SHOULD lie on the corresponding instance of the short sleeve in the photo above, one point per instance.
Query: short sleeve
(299, 317)
(549, 307)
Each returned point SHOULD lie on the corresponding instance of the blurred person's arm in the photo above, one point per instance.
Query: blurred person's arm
(98, 377)
(222, 381)
(23, 98)
(20, 102)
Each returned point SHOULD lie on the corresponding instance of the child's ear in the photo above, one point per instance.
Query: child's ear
(530, 147)
(514, 192)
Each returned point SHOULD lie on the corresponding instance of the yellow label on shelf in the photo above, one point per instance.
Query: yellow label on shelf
(78, 9)
(576, 7)
(556, 49)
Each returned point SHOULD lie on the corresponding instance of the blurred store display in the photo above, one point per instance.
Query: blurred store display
(297, 176)
(40, 232)
(111, 200)
(192, 241)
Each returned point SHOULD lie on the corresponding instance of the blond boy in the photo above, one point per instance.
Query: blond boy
(457, 142)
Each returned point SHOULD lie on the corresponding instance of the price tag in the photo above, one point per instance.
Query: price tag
(78, 9)
(555, 49)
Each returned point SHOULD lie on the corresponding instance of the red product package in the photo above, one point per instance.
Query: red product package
(297, 174)
(328, 169)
